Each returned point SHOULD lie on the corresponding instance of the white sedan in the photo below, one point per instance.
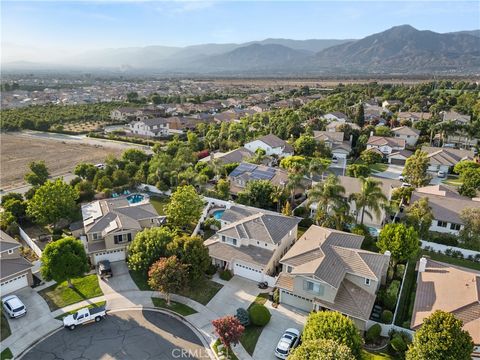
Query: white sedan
(287, 342)
(13, 306)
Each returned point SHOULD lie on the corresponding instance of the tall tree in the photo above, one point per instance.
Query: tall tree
(415, 170)
(64, 259)
(167, 275)
(229, 330)
(420, 216)
(257, 193)
(328, 194)
(185, 206)
(305, 145)
(334, 326)
(52, 202)
(38, 174)
(402, 241)
(441, 337)
(360, 116)
(191, 252)
(470, 234)
(371, 197)
(321, 349)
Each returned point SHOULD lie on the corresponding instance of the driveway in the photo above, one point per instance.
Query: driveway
(283, 317)
(236, 293)
(392, 172)
(36, 306)
(133, 334)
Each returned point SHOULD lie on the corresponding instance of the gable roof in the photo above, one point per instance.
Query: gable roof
(331, 136)
(237, 155)
(447, 156)
(386, 141)
(12, 266)
(354, 185)
(329, 254)
(405, 130)
(7, 242)
(435, 287)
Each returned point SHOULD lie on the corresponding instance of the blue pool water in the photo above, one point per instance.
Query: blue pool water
(135, 198)
(218, 214)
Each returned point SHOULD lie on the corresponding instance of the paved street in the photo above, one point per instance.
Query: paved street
(392, 172)
(132, 334)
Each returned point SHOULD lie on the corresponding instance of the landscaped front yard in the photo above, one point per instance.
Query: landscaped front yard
(367, 355)
(94, 305)
(378, 167)
(251, 334)
(177, 307)
(231, 354)
(60, 295)
(5, 328)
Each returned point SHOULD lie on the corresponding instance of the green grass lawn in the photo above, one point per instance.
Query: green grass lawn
(370, 355)
(230, 353)
(251, 334)
(6, 354)
(60, 295)
(160, 203)
(407, 297)
(378, 167)
(177, 307)
(451, 260)
(203, 291)
(453, 181)
(140, 280)
(94, 305)
(5, 328)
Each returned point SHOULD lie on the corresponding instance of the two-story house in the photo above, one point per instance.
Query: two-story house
(336, 116)
(334, 140)
(410, 135)
(444, 159)
(156, 127)
(386, 145)
(413, 117)
(15, 271)
(446, 205)
(272, 145)
(125, 114)
(326, 270)
(110, 225)
(251, 241)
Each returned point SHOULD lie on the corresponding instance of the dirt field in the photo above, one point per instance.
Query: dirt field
(17, 151)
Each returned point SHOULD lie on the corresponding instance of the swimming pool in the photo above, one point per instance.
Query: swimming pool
(218, 214)
(135, 198)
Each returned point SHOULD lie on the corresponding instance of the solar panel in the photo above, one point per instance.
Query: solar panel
(243, 167)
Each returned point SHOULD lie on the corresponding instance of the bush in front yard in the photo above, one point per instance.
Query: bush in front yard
(259, 315)
(226, 275)
(211, 270)
(243, 317)
(387, 316)
(373, 333)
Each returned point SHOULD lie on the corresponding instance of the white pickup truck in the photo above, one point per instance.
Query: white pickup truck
(84, 316)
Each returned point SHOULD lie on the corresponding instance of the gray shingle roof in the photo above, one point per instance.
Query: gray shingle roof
(249, 254)
(7, 242)
(447, 156)
(13, 266)
(273, 140)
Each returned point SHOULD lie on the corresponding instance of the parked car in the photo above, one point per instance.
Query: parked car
(405, 184)
(441, 174)
(287, 342)
(13, 306)
(401, 178)
(104, 269)
(84, 316)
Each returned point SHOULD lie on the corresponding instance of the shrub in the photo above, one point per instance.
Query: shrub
(306, 223)
(259, 315)
(442, 238)
(373, 333)
(211, 270)
(276, 296)
(387, 316)
(390, 273)
(300, 211)
(243, 317)
(226, 275)
(399, 271)
(392, 295)
(398, 343)
(406, 324)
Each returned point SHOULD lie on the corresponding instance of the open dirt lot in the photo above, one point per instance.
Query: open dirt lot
(17, 151)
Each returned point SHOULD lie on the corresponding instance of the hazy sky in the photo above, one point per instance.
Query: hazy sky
(45, 30)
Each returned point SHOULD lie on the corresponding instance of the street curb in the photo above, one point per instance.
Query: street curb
(173, 314)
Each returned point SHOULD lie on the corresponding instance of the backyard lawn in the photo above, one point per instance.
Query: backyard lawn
(159, 203)
(251, 334)
(177, 307)
(451, 260)
(60, 295)
(94, 305)
(453, 181)
(5, 328)
(379, 167)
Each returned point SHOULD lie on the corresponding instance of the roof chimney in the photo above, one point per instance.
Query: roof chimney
(371, 133)
(422, 264)
(387, 253)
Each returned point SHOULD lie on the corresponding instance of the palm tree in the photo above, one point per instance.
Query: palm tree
(329, 195)
(370, 196)
(295, 181)
(278, 195)
(318, 166)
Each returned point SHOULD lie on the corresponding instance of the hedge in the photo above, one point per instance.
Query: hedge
(259, 315)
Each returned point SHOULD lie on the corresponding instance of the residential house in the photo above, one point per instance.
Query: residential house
(386, 104)
(336, 116)
(15, 270)
(410, 135)
(455, 117)
(157, 127)
(334, 140)
(386, 145)
(444, 159)
(327, 270)
(460, 138)
(450, 288)
(246, 172)
(272, 145)
(354, 185)
(110, 225)
(413, 117)
(337, 125)
(373, 113)
(259, 108)
(125, 114)
(399, 157)
(446, 205)
(234, 156)
(251, 242)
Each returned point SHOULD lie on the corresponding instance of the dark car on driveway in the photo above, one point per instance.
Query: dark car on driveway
(104, 269)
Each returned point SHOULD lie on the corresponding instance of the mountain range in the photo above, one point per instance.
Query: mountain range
(401, 49)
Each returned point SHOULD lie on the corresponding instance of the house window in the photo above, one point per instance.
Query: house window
(10, 251)
(367, 281)
(454, 226)
(223, 238)
(95, 236)
(258, 242)
(442, 223)
(118, 239)
(234, 241)
(313, 287)
(289, 269)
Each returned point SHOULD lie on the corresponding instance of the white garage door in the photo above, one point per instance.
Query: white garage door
(248, 272)
(13, 284)
(112, 255)
(295, 300)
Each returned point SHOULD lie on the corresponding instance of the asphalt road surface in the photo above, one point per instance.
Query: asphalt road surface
(133, 334)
